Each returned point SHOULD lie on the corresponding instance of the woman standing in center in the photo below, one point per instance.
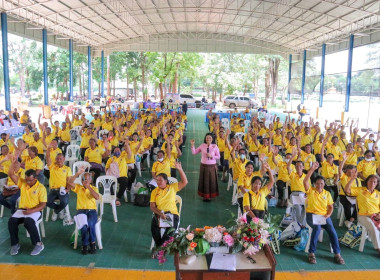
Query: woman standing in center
(208, 175)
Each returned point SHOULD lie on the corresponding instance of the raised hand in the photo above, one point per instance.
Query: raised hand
(192, 142)
(178, 165)
(315, 166)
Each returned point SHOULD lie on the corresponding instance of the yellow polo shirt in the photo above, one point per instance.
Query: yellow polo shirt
(238, 167)
(317, 202)
(24, 119)
(65, 134)
(77, 122)
(343, 182)
(307, 160)
(58, 176)
(30, 197)
(352, 159)
(258, 200)
(306, 139)
(85, 140)
(35, 163)
(296, 182)
(367, 168)
(84, 198)
(283, 174)
(97, 123)
(49, 138)
(317, 147)
(161, 167)
(277, 140)
(5, 165)
(54, 153)
(148, 141)
(108, 126)
(28, 138)
(121, 162)
(9, 144)
(328, 170)
(165, 198)
(368, 203)
(335, 150)
(39, 145)
(94, 155)
(244, 181)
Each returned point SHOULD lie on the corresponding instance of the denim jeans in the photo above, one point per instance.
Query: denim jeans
(63, 200)
(88, 231)
(10, 201)
(328, 227)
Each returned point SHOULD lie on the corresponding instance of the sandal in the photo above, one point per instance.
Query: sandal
(312, 259)
(118, 203)
(339, 259)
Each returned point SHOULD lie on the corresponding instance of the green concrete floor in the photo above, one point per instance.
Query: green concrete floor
(126, 243)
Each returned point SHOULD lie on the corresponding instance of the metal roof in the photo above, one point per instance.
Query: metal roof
(247, 26)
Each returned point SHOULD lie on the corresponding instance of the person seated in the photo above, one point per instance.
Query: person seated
(38, 143)
(244, 183)
(329, 171)
(59, 174)
(283, 178)
(120, 159)
(32, 201)
(368, 200)
(367, 166)
(162, 165)
(302, 112)
(254, 201)
(297, 189)
(94, 156)
(64, 135)
(319, 202)
(32, 161)
(163, 204)
(87, 195)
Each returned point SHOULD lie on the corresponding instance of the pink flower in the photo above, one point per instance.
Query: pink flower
(255, 220)
(243, 219)
(190, 236)
(251, 250)
(229, 240)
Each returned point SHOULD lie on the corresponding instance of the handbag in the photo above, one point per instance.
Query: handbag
(113, 170)
(142, 200)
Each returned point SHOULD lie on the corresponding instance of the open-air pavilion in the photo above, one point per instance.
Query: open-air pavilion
(295, 29)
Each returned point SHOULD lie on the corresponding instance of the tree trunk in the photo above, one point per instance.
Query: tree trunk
(155, 91)
(127, 85)
(99, 90)
(108, 76)
(22, 76)
(175, 82)
(143, 75)
(273, 69)
(161, 91)
(114, 87)
(245, 89)
(267, 85)
(135, 88)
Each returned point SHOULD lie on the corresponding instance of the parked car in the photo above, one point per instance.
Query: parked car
(186, 97)
(233, 101)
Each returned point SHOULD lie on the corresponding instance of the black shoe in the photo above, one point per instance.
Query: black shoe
(92, 248)
(84, 250)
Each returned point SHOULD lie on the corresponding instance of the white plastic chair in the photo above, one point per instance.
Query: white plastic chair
(76, 134)
(40, 226)
(108, 182)
(178, 200)
(67, 211)
(364, 235)
(225, 123)
(11, 130)
(103, 131)
(98, 229)
(72, 154)
(247, 123)
(230, 181)
(16, 124)
(138, 164)
(234, 193)
(75, 169)
(240, 135)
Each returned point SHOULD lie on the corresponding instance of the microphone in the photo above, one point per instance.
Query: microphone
(208, 150)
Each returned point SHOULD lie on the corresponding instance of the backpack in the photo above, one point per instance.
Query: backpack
(113, 170)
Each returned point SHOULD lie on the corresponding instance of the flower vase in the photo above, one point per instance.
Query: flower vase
(214, 244)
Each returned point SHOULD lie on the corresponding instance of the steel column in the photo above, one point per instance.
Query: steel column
(322, 75)
(303, 77)
(89, 71)
(4, 34)
(290, 75)
(71, 80)
(102, 79)
(44, 66)
(349, 69)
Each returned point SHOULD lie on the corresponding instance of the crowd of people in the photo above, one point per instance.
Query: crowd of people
(33, 173)
(286, 159)
(313, 168)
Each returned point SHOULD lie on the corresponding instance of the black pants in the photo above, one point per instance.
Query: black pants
(258, 213)
(156, 230)
(173, 172)
(47, 173)
(143, 158)
(82, 152)
(333, 188)
(63, 146)
(240, 201)
(131, 177)
(123, 184)
(41, 156)
(348, 207)
(3, 175)
(281, 185)
(30, 226)
(97, 172)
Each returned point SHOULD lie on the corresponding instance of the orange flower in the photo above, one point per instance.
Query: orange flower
(225, 233)
(193, 245)
(207, 227)
(199, 229)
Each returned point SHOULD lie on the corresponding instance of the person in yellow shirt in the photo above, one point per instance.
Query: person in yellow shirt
(76, 121)
(349, 205)
(94, 156)
(254, 201)
(306, 157)
(367, 166)
(368, 200)
(32, 201)
(34, 162)
(334, 148)
(25, 119)
(352, 158)
(329, 172)
(27, 136)
(120, 160)
(319, 202)
(306, 138)
(8, 141)
(163, 205)
(86, 136)
(59, 174)
(8, 197)
(162, 165)
(221, 143)
(87, 195)
(97, 121)
(283, 178)
(146, 146)
(342, 141)
(174, 150)
(64, 136)
(38, 143)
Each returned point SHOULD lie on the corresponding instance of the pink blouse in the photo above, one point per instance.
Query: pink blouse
(213, 150)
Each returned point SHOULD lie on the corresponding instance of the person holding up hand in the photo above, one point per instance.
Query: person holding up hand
(320, 203)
